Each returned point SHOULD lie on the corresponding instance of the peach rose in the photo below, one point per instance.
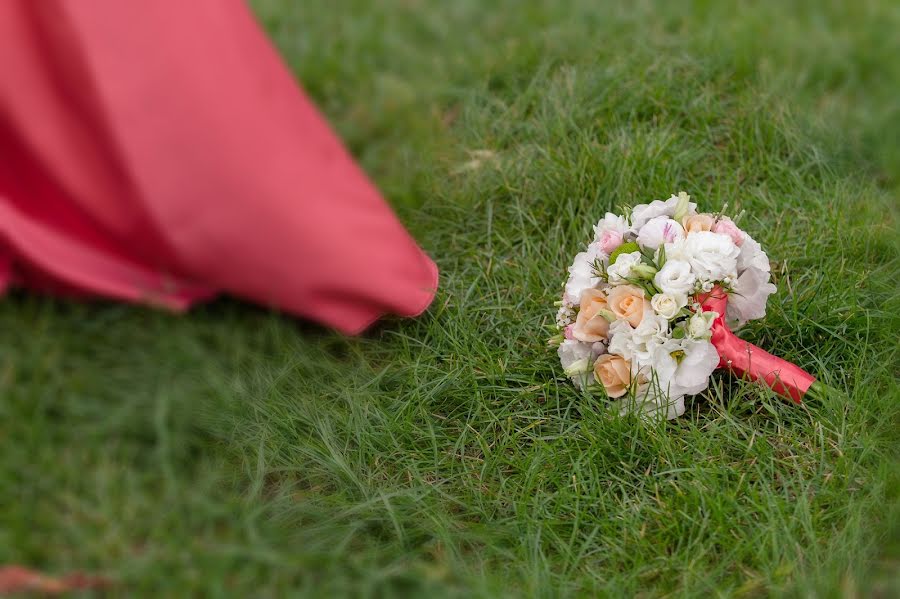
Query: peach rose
(697, 223)
(628, 302)
(589, 325)
(614, 373)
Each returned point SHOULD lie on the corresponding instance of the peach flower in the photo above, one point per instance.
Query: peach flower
(628, 302)
(698, 222)
(614, 373)
(589, 325)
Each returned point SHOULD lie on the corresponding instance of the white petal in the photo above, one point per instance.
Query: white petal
(751, 292)
(658, 231)
(610, 222)
(693, 373)
(752, 256)
(576, 359)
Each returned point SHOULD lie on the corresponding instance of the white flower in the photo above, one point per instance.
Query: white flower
(658, 231)
(621, 270)
(652, 402)
(581, 274)
(675, 278)
(697, 365)
(652, 327)
(751, 291)
(565, 315)
(668, 305)
(642, 213)
(752, 256)
(610, 222)
(675, 251)
(571, 351)
(575, 358)
(699, 324)
(657, 394)
(621, 341)
(665, 380)
(662, 366)
(712, 256)
(648, 337)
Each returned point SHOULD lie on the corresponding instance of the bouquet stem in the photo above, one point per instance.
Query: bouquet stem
(747, 360)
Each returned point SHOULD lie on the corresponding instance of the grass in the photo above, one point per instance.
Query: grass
(240, 452)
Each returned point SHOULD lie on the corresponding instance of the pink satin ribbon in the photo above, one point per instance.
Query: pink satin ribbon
(746, 359)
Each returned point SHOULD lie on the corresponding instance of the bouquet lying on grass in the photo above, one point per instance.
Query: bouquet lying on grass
(648, 308)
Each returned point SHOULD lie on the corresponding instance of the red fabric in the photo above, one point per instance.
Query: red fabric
(743, 358)
(161, 152)
(21, 580)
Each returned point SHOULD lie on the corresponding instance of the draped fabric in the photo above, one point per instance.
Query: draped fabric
(161, 152)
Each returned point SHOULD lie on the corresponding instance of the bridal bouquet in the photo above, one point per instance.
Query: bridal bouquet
(648, 308)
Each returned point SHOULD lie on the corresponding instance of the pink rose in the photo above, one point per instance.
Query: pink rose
(610, 240)
(568, 331)
(726, 226)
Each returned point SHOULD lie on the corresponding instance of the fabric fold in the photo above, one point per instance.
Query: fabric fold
(162, 152)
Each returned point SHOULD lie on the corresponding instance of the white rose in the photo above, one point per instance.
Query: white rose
(668, 305)
(658, 231)
(610, 222)
(622, 269)
(675, 278)
(751, 291)
(712, 256)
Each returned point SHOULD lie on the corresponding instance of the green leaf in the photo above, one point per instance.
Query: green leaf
(625, 248)
(644, 271)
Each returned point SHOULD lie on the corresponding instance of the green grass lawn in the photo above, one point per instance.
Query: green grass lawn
(234, 451)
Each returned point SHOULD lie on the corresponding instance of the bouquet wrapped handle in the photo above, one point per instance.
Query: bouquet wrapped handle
(745, 359)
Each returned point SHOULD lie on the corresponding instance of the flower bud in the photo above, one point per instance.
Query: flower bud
(681, 208)
(643, 271)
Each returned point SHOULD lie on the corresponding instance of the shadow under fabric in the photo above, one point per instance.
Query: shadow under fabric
(161, 152)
